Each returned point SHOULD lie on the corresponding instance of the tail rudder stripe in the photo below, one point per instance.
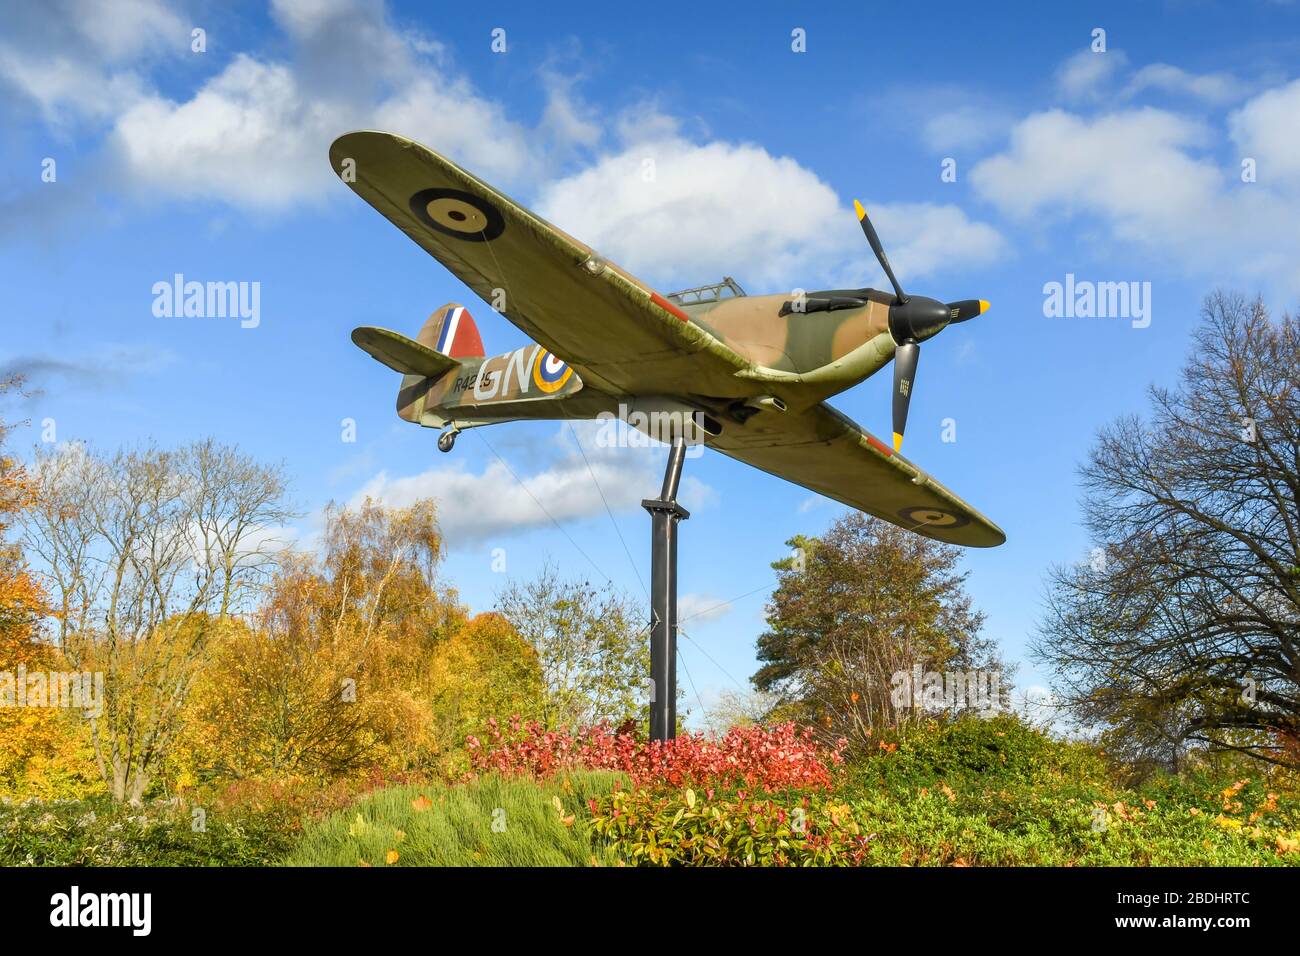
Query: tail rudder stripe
(448, 334)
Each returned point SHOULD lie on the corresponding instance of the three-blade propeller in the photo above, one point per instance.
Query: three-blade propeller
(912, 319)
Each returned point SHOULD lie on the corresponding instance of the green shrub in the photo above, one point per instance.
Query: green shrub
(98, 832)
(1022, 826)
(687, 827)
(1026, 826)
(999, 748)
(492, 821)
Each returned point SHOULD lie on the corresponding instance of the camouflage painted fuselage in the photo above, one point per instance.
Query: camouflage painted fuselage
(770, 331)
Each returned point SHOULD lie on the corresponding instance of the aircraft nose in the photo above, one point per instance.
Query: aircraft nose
(917, 319)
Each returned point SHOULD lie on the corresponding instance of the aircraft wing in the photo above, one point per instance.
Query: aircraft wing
(826, 452)
(615, 330)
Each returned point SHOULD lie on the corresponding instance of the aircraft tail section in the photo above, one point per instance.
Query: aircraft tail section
(451, 331)
(447, 378)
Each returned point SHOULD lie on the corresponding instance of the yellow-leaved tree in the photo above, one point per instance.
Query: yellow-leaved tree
(44, 751)
(359, 660)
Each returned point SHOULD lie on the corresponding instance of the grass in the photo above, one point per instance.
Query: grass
(489, 822)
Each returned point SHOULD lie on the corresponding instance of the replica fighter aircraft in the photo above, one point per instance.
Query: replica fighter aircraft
(749, 375)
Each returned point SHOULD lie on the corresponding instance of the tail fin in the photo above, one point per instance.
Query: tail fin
(451, 331)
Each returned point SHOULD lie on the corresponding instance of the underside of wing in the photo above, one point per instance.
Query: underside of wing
(826, 452)
(615, 330)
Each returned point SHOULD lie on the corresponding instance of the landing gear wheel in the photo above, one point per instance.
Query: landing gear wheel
(446, 441)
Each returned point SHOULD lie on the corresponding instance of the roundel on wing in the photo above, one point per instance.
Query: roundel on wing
(933, 517)
(454, 212)
(550, 373)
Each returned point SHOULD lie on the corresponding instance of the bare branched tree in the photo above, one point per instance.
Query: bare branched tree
(1184, 626)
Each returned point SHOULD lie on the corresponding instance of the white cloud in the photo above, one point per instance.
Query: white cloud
(452, 119)
(257, 133)
(699, 608)
(304, 17)
(567, 121)
(1147, 175)
(124, 29)
(501, 499)
(1088, 75)
(1267, 129)
(77, 59)
(1133, 165)
(965, 127)
(248, 136)
(675, 211)
(1211, 87)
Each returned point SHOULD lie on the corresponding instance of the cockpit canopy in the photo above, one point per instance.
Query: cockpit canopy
(728, 288)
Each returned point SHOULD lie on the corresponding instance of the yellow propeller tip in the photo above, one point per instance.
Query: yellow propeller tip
(898, 441)
(857, 208)
(984, 306)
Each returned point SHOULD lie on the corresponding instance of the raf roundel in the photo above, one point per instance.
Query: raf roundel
(549, 372)
(933, 517)
(454, 212)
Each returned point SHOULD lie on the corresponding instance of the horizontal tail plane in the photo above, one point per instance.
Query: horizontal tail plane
(402, 354)
(448, 335)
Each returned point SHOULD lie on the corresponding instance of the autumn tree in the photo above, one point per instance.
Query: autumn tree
(591, 645)
(1181, 628)
(333, 672)
(360, 658)
(148, 553)
(41, 749)
(484, 670)
(853, 608)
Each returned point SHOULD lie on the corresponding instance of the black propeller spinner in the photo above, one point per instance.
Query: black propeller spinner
(912, 319)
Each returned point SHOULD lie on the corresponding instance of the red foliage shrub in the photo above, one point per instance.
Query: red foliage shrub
(769, 758)
(299, 797)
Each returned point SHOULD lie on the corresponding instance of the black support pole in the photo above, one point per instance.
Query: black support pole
(665, 512)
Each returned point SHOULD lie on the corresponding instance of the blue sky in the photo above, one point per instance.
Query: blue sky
(1115, 166)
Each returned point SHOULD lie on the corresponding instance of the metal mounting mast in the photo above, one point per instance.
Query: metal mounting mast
(665, 512)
